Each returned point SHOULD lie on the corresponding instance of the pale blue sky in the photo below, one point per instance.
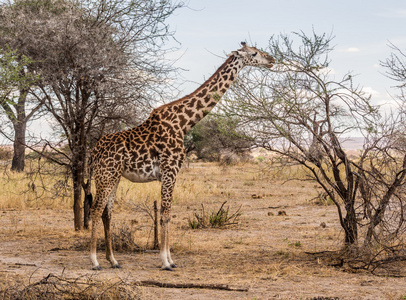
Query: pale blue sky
(362, 30)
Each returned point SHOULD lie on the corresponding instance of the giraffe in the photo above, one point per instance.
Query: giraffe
(154, 150)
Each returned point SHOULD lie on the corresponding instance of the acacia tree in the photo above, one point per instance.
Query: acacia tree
(15, 81)
(215, 138)
(97, 59)
(396, 68)
(301, 112)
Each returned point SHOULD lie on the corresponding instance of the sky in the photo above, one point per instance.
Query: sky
(208, 30)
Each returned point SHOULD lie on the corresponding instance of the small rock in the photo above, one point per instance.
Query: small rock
(281, 213)
(270, 213)
(323, 225)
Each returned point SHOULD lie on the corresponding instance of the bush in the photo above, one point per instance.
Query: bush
(218, 219)
(5, 153)
(216, 137)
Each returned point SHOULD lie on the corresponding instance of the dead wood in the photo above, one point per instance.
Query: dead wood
(190, 285)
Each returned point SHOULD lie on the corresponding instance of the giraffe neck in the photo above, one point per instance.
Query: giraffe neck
(194, 107)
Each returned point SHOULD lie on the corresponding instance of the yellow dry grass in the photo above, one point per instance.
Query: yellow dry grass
(202, 182)
(265, 252)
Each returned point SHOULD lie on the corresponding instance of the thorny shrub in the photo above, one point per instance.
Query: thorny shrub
(216, 219)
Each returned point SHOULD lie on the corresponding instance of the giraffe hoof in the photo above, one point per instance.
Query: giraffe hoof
(167, 268)
(117, 266)
(174, 266)
(97, 268)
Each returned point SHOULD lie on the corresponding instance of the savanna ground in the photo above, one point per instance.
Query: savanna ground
(270, 251)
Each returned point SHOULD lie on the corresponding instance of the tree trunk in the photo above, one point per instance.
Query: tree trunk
(77, 177)
(19, 125)
(78, 167)
(18, 161)
(350, 225)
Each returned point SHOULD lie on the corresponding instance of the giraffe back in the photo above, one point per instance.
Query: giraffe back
(138, 153)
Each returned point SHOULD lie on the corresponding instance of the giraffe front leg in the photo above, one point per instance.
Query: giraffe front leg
(93, 241)
(167, 263)
(168, 182)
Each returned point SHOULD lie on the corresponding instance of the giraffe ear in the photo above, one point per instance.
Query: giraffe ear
(233, 53)
(238, 53)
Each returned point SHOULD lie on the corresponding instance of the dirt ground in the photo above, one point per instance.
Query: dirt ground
(269, 251)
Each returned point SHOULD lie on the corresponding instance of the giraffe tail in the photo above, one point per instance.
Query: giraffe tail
(87, 203)
(88, 192)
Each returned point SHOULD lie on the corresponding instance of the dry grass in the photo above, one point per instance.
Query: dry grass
(22, 191)
(48, 189)
(265, 251)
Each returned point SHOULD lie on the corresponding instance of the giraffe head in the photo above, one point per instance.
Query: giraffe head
(251, 56)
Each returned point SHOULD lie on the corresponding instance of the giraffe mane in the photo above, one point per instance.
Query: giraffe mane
(198, 89)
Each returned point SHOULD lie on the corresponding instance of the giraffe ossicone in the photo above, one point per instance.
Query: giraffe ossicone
(155, 151)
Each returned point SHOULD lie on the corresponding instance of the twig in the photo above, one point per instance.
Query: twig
(189, 285)
(221, 209)
(25, 265)
(156, 242)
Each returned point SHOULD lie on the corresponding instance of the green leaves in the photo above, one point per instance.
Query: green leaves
(15, 78)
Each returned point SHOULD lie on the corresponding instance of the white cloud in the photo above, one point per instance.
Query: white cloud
(328, 71)
(349, 50)
(370, 91)
(352, 49)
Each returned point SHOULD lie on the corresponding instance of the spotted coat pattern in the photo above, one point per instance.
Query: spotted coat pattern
(155, 151)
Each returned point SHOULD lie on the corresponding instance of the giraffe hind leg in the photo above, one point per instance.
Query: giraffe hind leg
(102, 203)
(106, 217)
(95, 216)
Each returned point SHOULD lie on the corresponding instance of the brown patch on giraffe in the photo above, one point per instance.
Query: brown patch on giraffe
(201, 94)
(189, 113)
(182, 121)
(199, 105)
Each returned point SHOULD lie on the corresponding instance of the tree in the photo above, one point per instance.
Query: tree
(301, 112)
(396, 66)
(14, 86)
(97, 59)
(214, 137)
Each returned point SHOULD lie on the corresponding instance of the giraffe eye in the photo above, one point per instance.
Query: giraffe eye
(255, 54)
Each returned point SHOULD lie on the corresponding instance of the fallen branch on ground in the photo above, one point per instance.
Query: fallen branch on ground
(190, 285)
